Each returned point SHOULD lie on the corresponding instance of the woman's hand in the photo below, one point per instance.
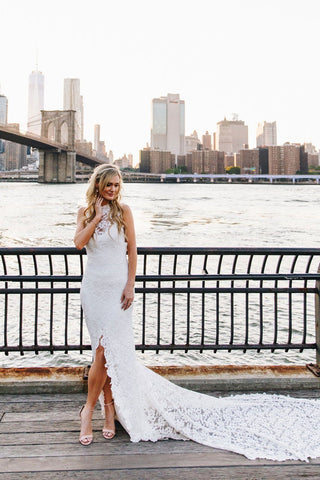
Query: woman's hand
(98, 207)
(127, 297)
(85, 232)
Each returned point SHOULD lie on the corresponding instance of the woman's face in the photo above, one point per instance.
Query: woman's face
(112, 188)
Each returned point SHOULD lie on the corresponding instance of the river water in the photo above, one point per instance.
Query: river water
(181, 215)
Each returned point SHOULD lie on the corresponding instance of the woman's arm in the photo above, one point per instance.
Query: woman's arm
(128, 292)
(84, 233)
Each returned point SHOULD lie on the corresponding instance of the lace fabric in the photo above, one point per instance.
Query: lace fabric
(151, 408)
(105, 222)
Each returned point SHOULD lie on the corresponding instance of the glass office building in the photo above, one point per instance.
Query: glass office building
(3, 109)
(35, 101)
(168, 124)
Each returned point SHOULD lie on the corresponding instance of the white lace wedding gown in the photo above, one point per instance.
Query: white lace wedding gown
(151, 408)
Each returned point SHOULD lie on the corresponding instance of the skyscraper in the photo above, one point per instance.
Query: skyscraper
(207, 161)
(156, 161)
(249, 161)
(99, 145)
(191, 142)
(72, 100)
(82, 119)
(96, 139)
(231, 135)
(284, 159)
(206, 141)
(3, 109)
(266, 134)
(3, 120)
(35, 101)
(168, 124)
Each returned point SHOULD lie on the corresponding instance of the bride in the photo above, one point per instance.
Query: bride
(148, 406)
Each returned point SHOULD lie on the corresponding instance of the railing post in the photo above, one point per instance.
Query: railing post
(317, 319)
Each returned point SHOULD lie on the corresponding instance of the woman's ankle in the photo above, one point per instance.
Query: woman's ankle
(89, 407)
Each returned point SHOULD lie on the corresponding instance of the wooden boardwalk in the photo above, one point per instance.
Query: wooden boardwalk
(39, 440)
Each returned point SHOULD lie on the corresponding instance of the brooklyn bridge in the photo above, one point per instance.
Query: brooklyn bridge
(58, 153)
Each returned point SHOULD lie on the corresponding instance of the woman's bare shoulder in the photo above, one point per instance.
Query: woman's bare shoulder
(125, 207)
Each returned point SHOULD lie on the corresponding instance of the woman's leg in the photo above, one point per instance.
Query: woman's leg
(97, 377)
(108, 409)
(107, 391)
(96, 380)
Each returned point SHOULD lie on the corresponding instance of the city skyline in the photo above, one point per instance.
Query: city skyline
(255, 58)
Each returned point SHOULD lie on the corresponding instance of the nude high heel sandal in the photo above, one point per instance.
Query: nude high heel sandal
(106, 432)
(85, 439)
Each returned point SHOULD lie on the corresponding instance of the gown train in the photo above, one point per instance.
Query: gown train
(152, 408)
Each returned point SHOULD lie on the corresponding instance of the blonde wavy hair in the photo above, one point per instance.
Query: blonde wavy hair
(100, 177)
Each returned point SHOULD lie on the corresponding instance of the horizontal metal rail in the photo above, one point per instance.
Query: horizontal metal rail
(172, 290)
(167, 251)
(162, 278)
(187, 299)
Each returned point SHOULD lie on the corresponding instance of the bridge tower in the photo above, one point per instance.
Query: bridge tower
(58, 166)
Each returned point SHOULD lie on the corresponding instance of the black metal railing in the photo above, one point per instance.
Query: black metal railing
(204, 299)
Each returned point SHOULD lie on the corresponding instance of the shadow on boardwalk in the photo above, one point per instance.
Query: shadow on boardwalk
(39, 439)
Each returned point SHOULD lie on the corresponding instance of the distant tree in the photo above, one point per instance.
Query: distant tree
(233, 170)
(176, 170)
(314, 168)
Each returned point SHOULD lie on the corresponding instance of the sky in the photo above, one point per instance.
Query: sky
(256, 58)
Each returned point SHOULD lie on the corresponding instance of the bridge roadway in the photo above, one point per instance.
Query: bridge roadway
(250, 178)
(42, 143)
(39, 438)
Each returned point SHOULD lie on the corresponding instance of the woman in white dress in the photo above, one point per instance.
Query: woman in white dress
(148, 406)
(106, 228)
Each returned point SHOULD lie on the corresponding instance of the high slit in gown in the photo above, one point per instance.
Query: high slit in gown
(150, 407)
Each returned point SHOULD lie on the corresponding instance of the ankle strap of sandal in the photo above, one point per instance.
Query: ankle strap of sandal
(83, 408)
(110, 403)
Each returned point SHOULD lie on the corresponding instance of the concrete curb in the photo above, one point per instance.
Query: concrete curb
(229, 378)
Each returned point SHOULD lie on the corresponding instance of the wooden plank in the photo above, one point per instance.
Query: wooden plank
(50, 415)
(99, 447)
(73, 398)
(295, 472)
(61, 403)
(63, 426)
(35, 407)
(47, 427)
(103, 462)
(67, 406)
(76, 399)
